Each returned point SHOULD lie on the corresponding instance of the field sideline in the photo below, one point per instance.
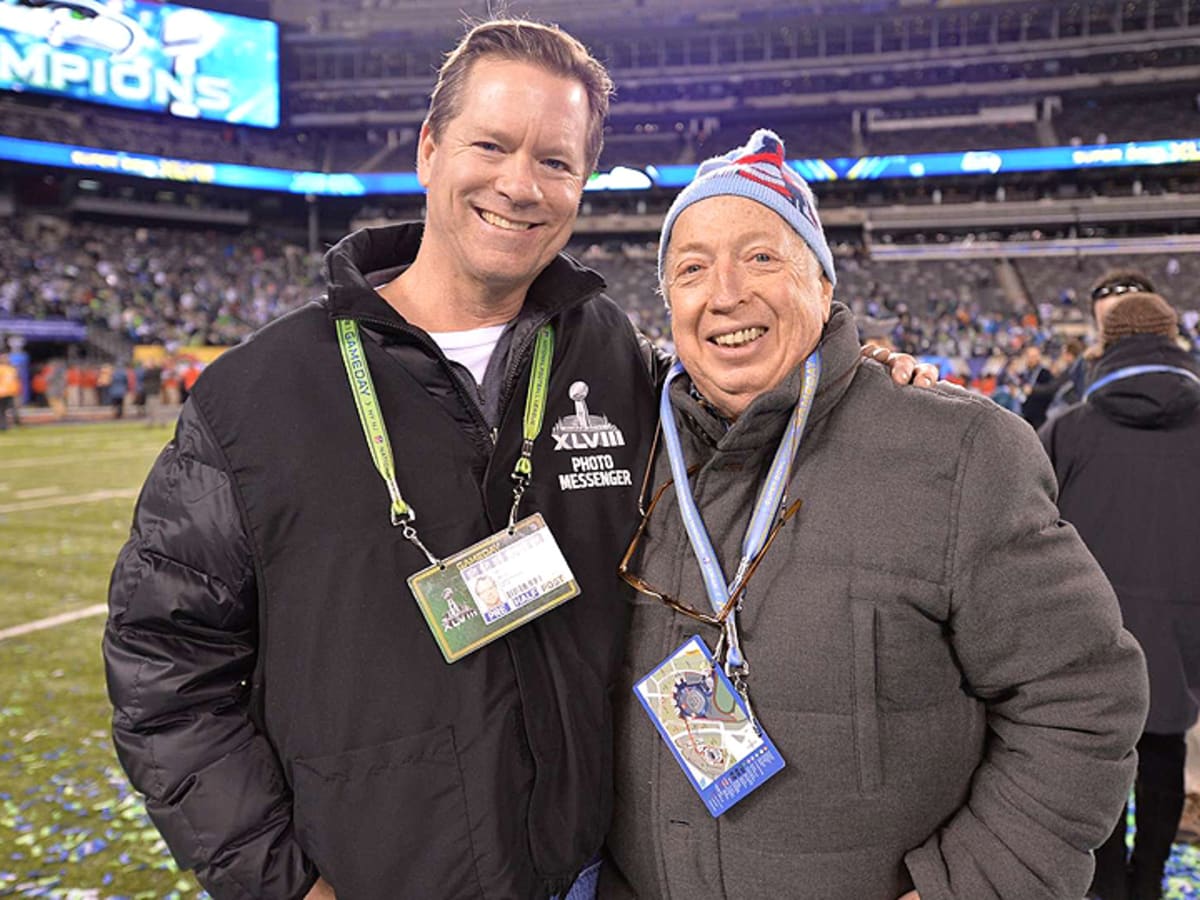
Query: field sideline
(70, 825)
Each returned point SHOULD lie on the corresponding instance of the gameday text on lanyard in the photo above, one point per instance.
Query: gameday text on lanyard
(371, 417)
(769, 502)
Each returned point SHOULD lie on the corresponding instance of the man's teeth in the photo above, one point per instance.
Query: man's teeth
(500, 222)
(737, 338)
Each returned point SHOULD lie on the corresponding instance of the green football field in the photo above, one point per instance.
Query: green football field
(70, 825)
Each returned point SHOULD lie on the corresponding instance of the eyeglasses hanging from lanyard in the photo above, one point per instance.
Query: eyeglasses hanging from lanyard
(371, 417)
(770, 512)
(638, 583)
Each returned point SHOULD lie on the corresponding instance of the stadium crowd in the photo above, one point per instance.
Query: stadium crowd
(152, 286)
(184, 288)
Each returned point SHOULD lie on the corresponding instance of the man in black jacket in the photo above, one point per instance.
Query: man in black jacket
(1128, 467)
(279, 696)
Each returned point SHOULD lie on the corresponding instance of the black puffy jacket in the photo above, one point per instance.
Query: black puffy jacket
(278, 696)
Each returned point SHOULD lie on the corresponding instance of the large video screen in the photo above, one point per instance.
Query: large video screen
(154, 56)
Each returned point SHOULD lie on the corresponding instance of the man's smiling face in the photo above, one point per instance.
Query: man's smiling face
(505, 176)
(747, 299)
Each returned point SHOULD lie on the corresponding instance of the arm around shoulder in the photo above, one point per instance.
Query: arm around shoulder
(179, 651)
(1037, 632)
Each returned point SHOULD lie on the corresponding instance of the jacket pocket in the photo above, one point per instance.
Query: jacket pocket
(915, 667)
(388, 821)
(866, 705)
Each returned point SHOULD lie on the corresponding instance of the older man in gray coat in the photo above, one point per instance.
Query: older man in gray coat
(952, 694)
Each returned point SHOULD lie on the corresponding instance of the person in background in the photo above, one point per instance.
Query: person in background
(954, 700)
(1106, 291)
(56, 388)
(118, 389)
(137, 373)
(10, 390)
(1037, 386)
(1048, 381)
(1127, 460)
(152, 390)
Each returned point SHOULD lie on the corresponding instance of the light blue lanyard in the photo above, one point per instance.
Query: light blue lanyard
(1132, 371)
(766, 506)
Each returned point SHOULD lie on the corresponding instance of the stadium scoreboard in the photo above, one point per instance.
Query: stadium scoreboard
(159, 57)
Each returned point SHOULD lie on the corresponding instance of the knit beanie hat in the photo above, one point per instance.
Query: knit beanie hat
(1138, 314)
(759, 172)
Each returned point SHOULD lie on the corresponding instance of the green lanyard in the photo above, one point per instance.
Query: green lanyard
(371, 418)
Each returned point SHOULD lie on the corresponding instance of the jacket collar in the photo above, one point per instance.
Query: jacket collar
(372, 256)
(1151, 400)
(763, 422)
(1140, 349)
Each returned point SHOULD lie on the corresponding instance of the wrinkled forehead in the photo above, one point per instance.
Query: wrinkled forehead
(713, 233)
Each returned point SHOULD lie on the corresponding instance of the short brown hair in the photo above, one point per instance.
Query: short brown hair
(522, 40)
(1139, 313)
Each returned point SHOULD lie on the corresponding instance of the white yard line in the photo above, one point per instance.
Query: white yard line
(38, 492)
(30, 462)
(53, 621)
(70, 500)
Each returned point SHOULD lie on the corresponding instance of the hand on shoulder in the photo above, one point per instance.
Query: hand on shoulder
(904, 368)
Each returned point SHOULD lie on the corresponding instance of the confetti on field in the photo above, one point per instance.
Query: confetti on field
(1183, 873)
(71, 828)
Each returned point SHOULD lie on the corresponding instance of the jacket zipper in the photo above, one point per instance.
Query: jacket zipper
(429, 344)
(517, 359)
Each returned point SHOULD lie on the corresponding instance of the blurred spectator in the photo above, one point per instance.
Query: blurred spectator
(116, 389)
(152, 391)
(1129, 479)
(56, 387)
(10, 389)
(187, 377)
(1038, 385)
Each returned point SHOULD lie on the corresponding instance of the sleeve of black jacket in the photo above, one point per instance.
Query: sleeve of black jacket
(179, 650)
(1037, 632)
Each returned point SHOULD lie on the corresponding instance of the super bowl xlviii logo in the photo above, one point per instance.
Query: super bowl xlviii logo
(456, 613)
(584, 431)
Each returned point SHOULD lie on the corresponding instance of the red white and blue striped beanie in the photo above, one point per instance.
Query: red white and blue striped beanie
(757, 170)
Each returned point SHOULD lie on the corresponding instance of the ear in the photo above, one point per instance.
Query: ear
(826, 297)
(426, 147)
(666, 297)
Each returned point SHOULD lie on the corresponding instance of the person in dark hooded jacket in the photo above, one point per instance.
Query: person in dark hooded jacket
(1127, 460)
